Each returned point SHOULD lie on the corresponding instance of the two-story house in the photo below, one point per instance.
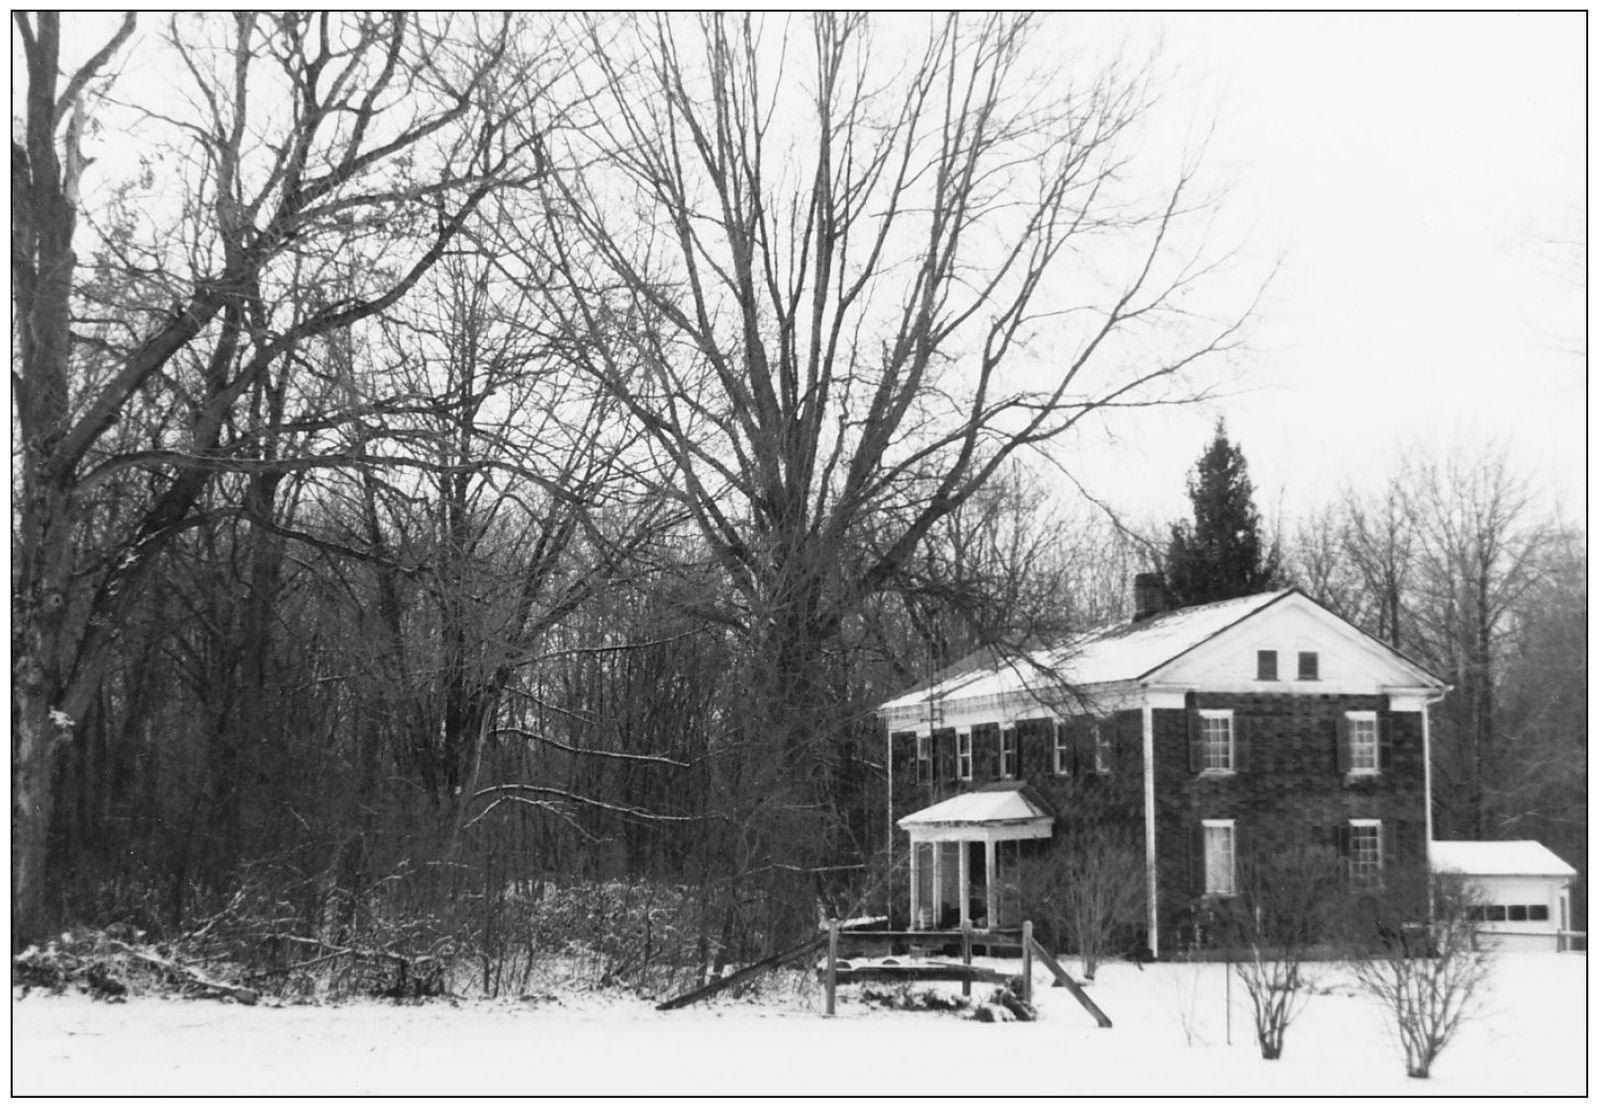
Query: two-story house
(1211, 733)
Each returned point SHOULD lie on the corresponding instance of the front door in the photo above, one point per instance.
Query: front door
(977, 882)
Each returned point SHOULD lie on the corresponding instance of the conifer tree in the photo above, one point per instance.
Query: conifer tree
(1220, 554)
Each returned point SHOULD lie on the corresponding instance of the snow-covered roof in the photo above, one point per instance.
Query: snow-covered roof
(1107, 654)
(1497, 858)
(992, 803)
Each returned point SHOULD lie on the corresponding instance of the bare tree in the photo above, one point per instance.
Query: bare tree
(817, 289)
(311, 196)
(1426, 972)
(1280, 913)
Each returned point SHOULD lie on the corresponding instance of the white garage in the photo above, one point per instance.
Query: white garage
(1525, 890)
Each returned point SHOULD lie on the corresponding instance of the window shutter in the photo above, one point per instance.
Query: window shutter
(1383, 743)
(1193, 738)
(1241, 739)
(903, 746)
(944, 751)
(1344, 744)
(1344, 840)
(1029, 754)
(1195, 861)
(986, 752)
(1389, 843)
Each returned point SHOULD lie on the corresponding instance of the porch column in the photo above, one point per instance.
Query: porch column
(916, 886)
(989, 883)
(935, 905)
(961, 881)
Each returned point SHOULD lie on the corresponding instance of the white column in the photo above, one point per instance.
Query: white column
(989, 884)
(938, 884)
(916, 887)
(961, 878)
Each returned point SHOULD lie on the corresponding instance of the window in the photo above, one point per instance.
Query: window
(1537, 912)
(925, 758)
(1364, 850)
(1103, 747)
(1308, 666)
(1495, 913)
(1363, 743)
(1217, 747)
(1008, 754)
(1268, 664)
(1218, 858)
(964, 755)
(1059, 750)
(1517, 912)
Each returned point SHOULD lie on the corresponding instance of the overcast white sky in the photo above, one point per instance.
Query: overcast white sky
(1424, 179)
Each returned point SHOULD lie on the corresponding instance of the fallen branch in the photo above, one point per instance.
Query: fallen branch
(244, 995)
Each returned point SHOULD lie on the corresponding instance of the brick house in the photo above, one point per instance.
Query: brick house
(1211, 733)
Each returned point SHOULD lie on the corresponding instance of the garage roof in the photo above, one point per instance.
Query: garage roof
(1497, 858)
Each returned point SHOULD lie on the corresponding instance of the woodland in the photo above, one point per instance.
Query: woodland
(473, 476)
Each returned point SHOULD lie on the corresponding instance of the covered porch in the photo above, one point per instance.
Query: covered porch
(956, 851)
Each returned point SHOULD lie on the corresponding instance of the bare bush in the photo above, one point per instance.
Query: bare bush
(1093, 895)
(1417, 952)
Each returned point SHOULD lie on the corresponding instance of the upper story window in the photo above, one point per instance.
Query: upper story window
(1102, 748)
(1059, 750)
(1008, 754)
(1359, 742)
(925, 758)
(1308, 666)
(1217, 744)
(964, 755)
(1268, 664)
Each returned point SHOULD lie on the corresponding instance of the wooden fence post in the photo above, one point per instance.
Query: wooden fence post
(1028, 963)
(832, 966)
(967, 954)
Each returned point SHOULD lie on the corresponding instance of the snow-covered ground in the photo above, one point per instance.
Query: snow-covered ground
(1168, 1038)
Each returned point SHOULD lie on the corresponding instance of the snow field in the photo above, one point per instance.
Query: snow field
(1168, 1038)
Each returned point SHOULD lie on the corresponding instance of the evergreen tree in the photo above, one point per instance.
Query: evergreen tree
(1220, 555)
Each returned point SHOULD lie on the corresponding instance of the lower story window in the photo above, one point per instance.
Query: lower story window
(1364, 850)
(1218, 858)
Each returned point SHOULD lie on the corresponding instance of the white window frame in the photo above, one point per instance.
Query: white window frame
(1354, 718)
(925, 758)
(1216, 716)
(1059, 749)
(1364, 870)
(1008, 768)
(1210, 828)
(964, 754)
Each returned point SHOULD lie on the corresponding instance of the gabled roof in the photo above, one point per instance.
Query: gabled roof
(996, 803)
(1497, 858)
(1107, 654)
(1117, 652)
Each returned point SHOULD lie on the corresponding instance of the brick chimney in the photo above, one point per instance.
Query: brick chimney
(1151, 598)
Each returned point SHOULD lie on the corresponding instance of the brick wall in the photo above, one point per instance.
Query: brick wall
(1292, 793)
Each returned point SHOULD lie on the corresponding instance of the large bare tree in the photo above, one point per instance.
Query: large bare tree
(843, 270)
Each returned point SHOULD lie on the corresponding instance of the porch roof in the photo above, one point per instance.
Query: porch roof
(995, 812)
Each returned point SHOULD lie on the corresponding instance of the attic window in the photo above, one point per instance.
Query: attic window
(1268, 664)
(1308, 666)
